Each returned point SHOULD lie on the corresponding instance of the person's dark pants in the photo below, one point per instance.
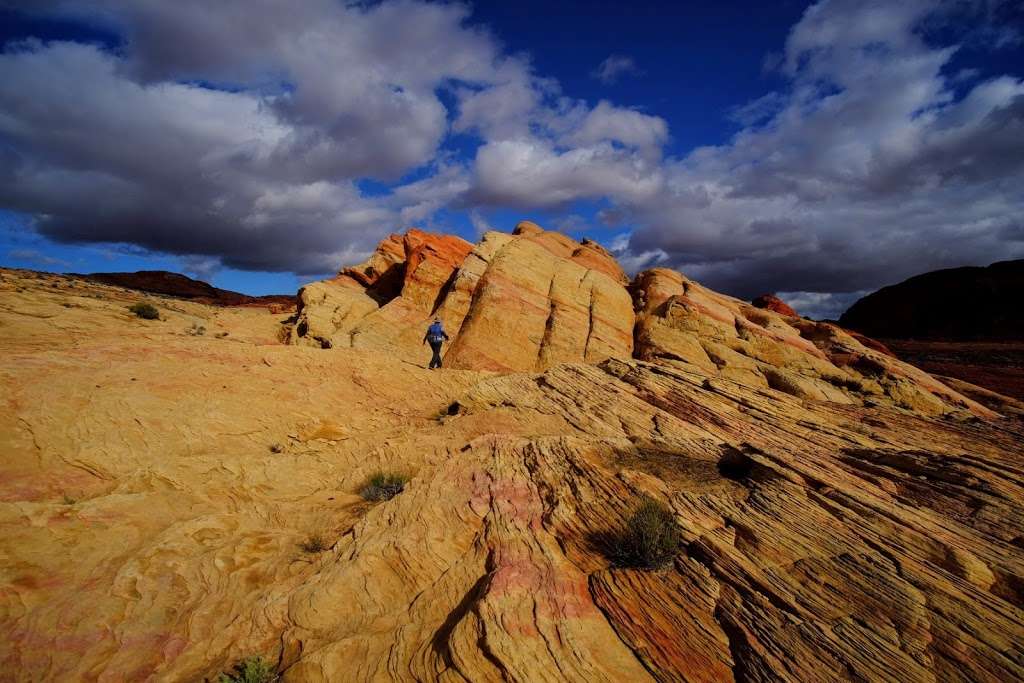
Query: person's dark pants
(435, 362)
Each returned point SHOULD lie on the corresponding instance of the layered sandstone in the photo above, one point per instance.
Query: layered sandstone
(678, 319)
(516, 302)
(383, 302)
(844, 516)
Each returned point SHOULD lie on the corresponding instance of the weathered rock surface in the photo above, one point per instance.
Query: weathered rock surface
(677, 319)
(514, 302)
(156, 486)
(774, 303)
(385, 302)
(542, 299)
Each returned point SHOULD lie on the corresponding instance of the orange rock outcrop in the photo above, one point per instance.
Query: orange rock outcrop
(515, 302)
(774, 303)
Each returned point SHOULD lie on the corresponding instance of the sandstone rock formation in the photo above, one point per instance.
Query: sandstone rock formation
(514, 302)
(384, 302)
(677, 319)
(774, 303)
(845, 516)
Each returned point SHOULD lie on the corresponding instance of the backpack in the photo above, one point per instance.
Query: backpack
(435, 333)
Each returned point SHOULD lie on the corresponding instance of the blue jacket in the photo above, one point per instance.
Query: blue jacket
(435, 333)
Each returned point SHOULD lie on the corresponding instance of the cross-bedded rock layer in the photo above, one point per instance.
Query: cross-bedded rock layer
(844, 515)
(533, 299)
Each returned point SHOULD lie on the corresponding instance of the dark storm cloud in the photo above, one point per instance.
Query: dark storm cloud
(239, 131)
(136, 146)
(866, 171)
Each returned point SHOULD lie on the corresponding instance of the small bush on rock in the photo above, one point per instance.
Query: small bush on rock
(649, 539)
(383, 486)
(145, 311)
(249, 670)
(314, 544)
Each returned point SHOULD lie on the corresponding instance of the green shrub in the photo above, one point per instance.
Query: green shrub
(249, 670)
(649, 539)
(383, 486)
(314, 544)
(145, 310)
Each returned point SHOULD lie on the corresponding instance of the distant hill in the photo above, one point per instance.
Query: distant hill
(182, 286)
(958, 304)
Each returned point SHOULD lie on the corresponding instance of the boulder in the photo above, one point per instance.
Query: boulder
(774, 303)
(542, 299)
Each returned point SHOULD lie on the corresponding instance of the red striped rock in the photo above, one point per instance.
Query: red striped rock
(537, 303)
(385, 301)
(774, 303)
(568, 300)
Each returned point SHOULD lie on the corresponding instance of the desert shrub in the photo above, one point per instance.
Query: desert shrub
(196, 330)
(848, 383)
(277, 448)
(383, 486)
(314, 544)
(649, 539)
(249, 670)
(145, 310)
(869, 367)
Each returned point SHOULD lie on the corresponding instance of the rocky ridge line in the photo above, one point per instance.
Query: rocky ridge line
(533, 299)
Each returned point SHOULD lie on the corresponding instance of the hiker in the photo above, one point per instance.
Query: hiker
(435, 336)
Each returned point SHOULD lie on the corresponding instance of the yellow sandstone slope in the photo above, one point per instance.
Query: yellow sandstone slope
(844, 516)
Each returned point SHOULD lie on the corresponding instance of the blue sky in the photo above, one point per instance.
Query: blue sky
(819, 150)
